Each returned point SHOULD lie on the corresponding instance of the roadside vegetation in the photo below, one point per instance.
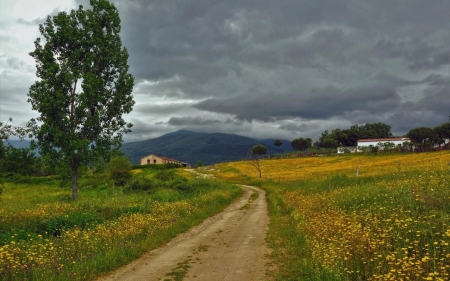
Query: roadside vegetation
(45, 235)
(355, 217)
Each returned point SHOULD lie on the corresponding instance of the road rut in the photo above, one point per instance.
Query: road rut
(228, 246)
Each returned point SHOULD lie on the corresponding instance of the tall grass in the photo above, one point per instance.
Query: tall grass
(392, 222)
(45, 236)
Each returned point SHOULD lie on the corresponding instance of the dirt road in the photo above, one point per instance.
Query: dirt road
(227, 246)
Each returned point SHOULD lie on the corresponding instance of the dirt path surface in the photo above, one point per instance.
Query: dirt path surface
(228, 246)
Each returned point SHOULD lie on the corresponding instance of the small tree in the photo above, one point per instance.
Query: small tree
(278, 143)
(255, 156)
(258, 149)
(76, 125)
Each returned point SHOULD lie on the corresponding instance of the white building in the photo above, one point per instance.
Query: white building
(375, 142)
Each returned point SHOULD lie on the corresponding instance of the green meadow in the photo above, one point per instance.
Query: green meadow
(44, 235)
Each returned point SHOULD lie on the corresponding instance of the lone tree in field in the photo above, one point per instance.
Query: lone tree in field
(278, 143)
(255, 155)
(258, 149)
(84, 87)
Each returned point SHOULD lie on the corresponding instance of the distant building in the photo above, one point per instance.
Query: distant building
(375, 142)
(153, 159)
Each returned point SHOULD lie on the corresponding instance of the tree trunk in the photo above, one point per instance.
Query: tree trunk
(75, 185)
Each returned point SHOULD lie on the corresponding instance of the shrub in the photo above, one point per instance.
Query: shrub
(165, 175)
(119, 169)
(141, 183)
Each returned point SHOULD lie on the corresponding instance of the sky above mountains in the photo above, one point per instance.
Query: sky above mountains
(260, 68)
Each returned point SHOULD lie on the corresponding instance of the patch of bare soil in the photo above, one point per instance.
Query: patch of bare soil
(228, 246)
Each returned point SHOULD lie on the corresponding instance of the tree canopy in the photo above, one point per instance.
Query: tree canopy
(349, 137)
(258, 149)
(278, 143)
(422, 136)
(84, 86)
(301, 143)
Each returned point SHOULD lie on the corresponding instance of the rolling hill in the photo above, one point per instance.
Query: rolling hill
(191, 147)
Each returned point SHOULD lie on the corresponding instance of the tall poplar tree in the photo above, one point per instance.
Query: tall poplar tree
(83, 87)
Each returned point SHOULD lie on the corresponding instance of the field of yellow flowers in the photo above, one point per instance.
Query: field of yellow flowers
(357, 217)
(45, 236)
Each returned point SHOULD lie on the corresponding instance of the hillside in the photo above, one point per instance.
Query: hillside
(191, 147)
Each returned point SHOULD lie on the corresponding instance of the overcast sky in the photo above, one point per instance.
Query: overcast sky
(260, 68)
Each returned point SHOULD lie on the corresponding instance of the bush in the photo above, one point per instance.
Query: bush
(141, 183)
(165, 175)
(119, 169)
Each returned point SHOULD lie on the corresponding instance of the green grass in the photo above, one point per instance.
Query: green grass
(35, 217)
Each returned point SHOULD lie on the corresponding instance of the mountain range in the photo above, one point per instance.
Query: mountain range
(192, 147)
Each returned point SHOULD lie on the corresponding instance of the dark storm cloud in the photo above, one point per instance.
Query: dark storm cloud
(272, 62)
(319, 103)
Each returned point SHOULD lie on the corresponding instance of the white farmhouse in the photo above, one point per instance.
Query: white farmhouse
(375, 142)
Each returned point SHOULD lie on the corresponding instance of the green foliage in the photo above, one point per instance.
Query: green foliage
(119, 169)
(199, 164)
(141, 184)
(301, 143)
(442, 132)
(20, 161)
(82, 48)
(349, 137)
(55, 225)
(165, 175)
(372, 131)
(163, 179)
(258, 149)
(422, 136)
(278, 143)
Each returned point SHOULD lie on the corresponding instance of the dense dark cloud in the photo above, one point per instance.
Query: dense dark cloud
(322, 103)
(278, 68)
(183, 121)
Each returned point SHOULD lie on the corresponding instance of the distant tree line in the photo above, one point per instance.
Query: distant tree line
(422, 138)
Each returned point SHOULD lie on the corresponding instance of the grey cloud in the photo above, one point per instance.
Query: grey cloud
(294, 66)
(419, 54)
(295, 127)
(160, 109)
(319, 103)
(197, 121)
(35, 22)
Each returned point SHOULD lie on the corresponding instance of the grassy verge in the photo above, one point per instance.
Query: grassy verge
(48, 237)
